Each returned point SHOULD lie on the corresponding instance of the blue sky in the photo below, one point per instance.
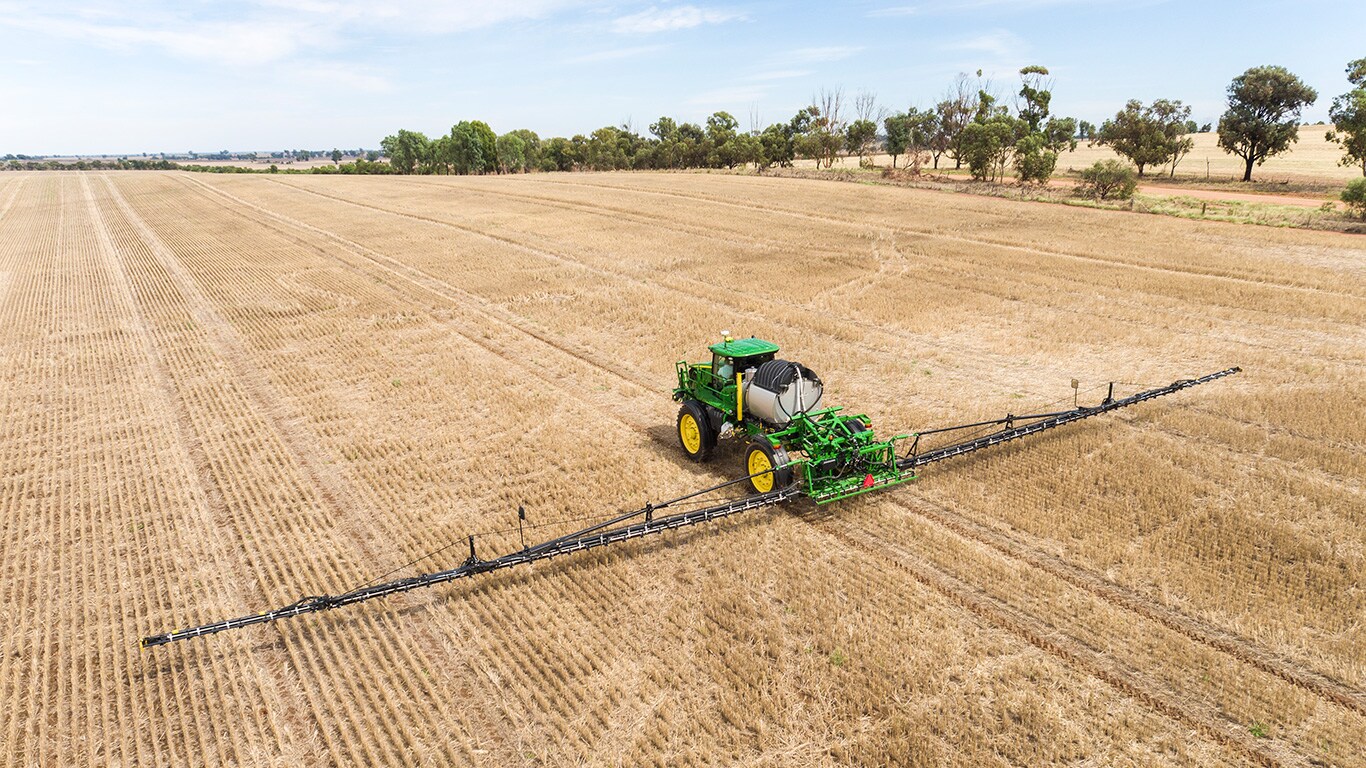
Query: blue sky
(131, 76)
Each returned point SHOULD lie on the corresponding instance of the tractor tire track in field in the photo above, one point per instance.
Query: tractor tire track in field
(616, 213)
(229, 346)
(14, 188)
(169, 402)
(1129, 682)
(1343, 482)
(1143, 313)
(1246, 651)
(1026, 249)
(1066, 647)
(538, 252)
(417, 277)
(164, 392)
(1143, 318)
(1201, 632)
(453, 297)
(738, 300)
(613, 212)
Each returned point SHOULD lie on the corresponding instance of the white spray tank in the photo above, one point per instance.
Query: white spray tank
(780, 389)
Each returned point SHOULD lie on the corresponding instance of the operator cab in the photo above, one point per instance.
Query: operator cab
(734, 355)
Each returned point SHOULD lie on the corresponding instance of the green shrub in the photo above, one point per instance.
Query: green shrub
(1108, 179)
(1355, 196)
(1034, 162)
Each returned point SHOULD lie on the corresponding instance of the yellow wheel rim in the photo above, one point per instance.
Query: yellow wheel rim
(758, 462)
(689, 433)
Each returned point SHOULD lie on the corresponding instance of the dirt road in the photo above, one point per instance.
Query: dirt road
(1243, 197)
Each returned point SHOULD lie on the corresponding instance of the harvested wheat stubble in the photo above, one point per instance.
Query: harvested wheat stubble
(221, 393)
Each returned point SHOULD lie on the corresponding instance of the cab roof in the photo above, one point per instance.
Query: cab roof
(744, 347)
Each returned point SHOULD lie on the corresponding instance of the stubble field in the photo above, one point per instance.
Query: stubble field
(218, 394)
(1310, 159)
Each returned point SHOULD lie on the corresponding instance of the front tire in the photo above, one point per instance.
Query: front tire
(767, 466)
(695, 434)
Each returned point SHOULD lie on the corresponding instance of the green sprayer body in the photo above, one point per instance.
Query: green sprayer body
(746, 392)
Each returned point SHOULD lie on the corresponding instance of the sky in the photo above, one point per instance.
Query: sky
(134, 76)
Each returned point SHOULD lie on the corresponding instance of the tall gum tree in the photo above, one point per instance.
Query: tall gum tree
(1348, 114)
(1147, 136)
(1264, 105)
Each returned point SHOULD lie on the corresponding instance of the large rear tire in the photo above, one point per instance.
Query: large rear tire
(695, 434)
(766, 466)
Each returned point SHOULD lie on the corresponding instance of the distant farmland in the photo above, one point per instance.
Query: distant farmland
(221, 393)
(1311, 159)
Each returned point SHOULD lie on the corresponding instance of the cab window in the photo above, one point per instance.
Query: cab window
(723, 370)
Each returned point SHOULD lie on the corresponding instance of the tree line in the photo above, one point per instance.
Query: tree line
(361, 166)
(972, 125)
(22, 163)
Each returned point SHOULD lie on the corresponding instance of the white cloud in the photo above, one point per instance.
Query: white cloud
(1008, 6)
(894, 11)
(420, 17)
(778, 74)
(614, 54)
(262, 31)
(340, 76)
(729, 96)
(998, 43)
(224, 42)
(819, 54)
(670, 19)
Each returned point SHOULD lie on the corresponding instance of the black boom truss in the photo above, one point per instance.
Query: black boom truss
(643, 521)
